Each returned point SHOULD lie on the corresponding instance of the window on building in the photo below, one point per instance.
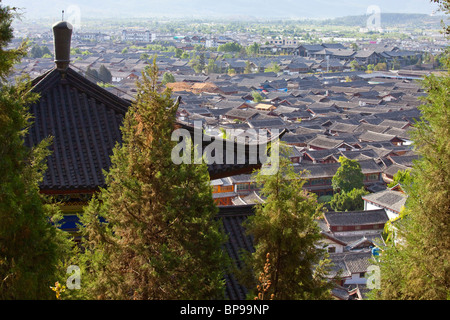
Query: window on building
(227, 189)
(242, 186)
(317, 182)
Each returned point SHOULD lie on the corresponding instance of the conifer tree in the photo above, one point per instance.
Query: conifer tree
(32, 249)
(152, 233)
(92, 74)
(104, 74)
(415, 265)
(285, 227)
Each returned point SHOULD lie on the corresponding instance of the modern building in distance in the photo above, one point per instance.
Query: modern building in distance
(142, 36)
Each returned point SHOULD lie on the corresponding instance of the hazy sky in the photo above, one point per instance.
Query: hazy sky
(213, 8)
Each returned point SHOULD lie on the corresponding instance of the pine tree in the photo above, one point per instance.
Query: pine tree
(152, 233)
(415, 263)
(32, 249)
(104, 74)
(285, 227)
(201, 62)
(92, 74)
(36, 52)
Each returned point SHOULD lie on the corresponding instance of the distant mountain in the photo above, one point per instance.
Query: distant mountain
(388, 20)
(265, 9)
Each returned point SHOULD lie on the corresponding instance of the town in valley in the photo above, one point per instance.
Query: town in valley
(336, 88)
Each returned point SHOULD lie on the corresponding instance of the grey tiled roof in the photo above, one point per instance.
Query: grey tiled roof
(407, 161)
(351, 262)
(355, 218)
(84, 120)
(272, 122)
(340, 292)
(240, 113)
(375, 136)
(358, 261)
(342, 127)
(391, 170)
(389, 199)
(324, 142)
(232, 218)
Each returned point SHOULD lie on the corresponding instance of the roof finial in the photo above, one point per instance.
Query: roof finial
(62, 33)
(62, 18)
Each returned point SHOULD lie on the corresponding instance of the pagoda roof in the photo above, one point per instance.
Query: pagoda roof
(84, 120)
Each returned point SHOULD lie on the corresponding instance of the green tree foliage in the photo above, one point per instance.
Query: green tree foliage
(242, 53)
(39, 51)
(144, 56)
(152, 233)
(395, 64)
(167, 78)
(201, 62)
(104, 74)
(348, 176)
(92, 74)
(31, 247)
(199, 47)
(75, 51)
(198, 63)
(9, 57)
(248, 67)
(212, 67)
(402, 177)
(178, 53)
(354, 46)
(273, 67)
(416, 265)
(284, 226)
(348, 201)
(257, 97)
(381, 66)
(230, 47)
(444, 6)
(253, 49)
(355, 65)
(348, 186)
